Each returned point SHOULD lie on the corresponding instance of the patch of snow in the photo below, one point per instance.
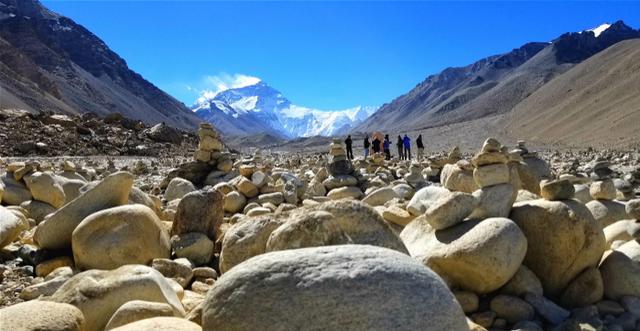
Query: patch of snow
(246, 104)
(600, 29)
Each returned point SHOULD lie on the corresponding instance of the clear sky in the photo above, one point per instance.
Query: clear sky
(326, 55)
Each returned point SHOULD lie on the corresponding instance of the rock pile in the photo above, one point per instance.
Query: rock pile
(501, 240)
(44, 134)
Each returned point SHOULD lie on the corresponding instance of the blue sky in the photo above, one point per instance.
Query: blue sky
(325, 55)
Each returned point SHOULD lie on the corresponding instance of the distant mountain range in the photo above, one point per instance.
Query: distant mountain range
(579, 89)
(261, 109)
(494, 85)
(50, 63)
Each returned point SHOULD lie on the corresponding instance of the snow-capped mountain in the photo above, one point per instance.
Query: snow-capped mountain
(260, 108)
(598, 30)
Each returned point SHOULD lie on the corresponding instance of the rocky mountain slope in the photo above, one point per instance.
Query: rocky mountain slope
(261, 109)
(50, 63)
(597, 103)
(29, 134)
(494, 85)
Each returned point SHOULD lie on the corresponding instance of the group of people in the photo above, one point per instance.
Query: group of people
(376, 146)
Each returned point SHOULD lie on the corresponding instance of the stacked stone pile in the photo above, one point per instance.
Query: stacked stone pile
(602, 190)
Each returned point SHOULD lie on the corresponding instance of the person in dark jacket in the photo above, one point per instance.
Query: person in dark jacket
(407, 147)
(386, 146)
(367, 144)
(420, 147)
(349, 144)
(375, 145)
(400, 151)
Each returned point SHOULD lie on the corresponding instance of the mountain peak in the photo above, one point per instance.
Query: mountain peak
(599, 29)
(576, 47)
(25, 8)
(260, 108)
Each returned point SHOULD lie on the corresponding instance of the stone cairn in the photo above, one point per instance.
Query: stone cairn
(415, 177)
(602, 187)
(209, 144)
(493, 177)
(210, 163)
(338, 162)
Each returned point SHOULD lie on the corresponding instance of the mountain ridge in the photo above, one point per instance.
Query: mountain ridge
(260, 108)
(493, 85)
(50, 63)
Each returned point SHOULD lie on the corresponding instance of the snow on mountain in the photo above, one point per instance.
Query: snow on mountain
(600, 29)
(259, 108)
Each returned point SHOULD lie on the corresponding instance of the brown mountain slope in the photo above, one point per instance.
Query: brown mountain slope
(491, 86)
(50, 63)
(596, 103)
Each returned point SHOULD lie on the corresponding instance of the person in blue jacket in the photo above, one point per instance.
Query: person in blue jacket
(407, 147)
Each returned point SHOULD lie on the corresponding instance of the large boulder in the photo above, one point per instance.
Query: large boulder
(160, 324)
(164, 133)
(424, 198)
(531, 171)
(178, 188)
(41, 315)
(563, 240)
(234, 201)
(333, 182)
(347, 192)
(113, 237)
(55, 231)
(458, 177)
(347, 287)
(194, 246)
(199, 211)
(607, 212)
(37, 209)
(480, 256)
(136, 310)
(71, 187)
(15, 192)
(246, 239)
(494, 201)
(98, 293)
(361, 223)
(380, 196)
(318, 228)
(621, 271)
(450, 210)
(45, 188)
(10, 226)
(586, 289)
(622, 231)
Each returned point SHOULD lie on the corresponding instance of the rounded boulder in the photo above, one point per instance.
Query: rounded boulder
(563, 240)
(130, 234)
(479, 256)
(346, 287)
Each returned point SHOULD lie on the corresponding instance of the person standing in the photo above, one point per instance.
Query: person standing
(407, 147)
(386, 147)
(400, 151)
(375, 145)
(367, 144)
(349, 144)
(420, 147)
